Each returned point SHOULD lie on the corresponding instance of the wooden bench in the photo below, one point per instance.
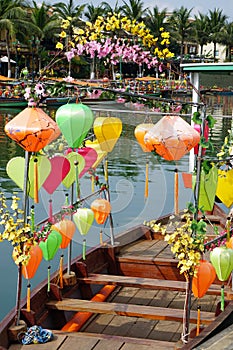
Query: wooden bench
(149, 312)
(138, 282)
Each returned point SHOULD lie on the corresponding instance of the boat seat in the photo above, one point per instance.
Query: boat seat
(137, 282)
(148, 312)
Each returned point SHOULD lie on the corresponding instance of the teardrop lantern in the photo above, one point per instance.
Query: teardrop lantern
(107, 131)
(222, 260)
(32, 129)
(140, 132)
(224, 189)
(83, 219)
(67, 229)
(51, 245)
(204, 278)
(171, 137)
(74, 121)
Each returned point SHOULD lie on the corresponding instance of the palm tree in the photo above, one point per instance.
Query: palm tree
(201, 30)
(226, 37)
(156, 19)
(46, 25)
(216, 21)
(110, 9)
(93, 12)
(181, 27)
(13, 17)
(134, 10)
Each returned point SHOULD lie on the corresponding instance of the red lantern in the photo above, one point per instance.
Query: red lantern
(32, 129)
(172, 137)
(101, 208)
(205, 277)
(197, 127)
(67, 229)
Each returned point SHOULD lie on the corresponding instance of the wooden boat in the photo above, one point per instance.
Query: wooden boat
(127, 295)
(13, 102)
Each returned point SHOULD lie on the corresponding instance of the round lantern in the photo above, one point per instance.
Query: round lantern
(222, 260)
(171, 137)
(67, 229)
(107, 131)
(140, 132)
(74, 121)
(32, 129)
(101, 208)
(204, 278)
(51, 245)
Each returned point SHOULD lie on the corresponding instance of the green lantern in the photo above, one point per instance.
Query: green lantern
(74, 121)
(83, 219)
(222, 260)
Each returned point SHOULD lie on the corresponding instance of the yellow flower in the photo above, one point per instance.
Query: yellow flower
(59, 46)
(62, 34)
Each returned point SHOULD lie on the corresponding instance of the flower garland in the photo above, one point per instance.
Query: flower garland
(33, 94)
(99, 39)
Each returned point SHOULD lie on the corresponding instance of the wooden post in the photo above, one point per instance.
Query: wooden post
(187, 307)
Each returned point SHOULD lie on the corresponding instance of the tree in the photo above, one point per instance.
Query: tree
(201, 30)
(13, 17)
(134, 10)
(216, 22)
(46, 26)
(226, 38)
(181, 27)
(109, 9)
(93, 12)
(155, 20)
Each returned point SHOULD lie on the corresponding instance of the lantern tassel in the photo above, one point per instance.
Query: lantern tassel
(228, 226)
(101, 237)
(36, 198)
(176, 192)
(106, 170)
(92, 183)
(84, 249)
(147, 180)
(28, 297)
(222, 297)
(61, 271)
(198, 320)
(48, 289)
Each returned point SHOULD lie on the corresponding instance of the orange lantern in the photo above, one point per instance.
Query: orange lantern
(101, 208)
(32, 129)
(172, 137)
(229, 243)
(35, 259)
(140, 132)
(67, 229)
(205, 277)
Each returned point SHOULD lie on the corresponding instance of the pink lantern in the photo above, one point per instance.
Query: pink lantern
(172, 137)
(197, 127)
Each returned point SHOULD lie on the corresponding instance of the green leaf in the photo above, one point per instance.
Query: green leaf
(211, 121)
(197, 118)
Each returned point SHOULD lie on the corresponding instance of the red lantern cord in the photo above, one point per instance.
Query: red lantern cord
(36, 199)
(51, 210)
(28, 297)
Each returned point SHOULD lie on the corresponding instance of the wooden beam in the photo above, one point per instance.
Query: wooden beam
(149, 312)
(138, 282)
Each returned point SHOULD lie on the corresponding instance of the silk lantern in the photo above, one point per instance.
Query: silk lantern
(222, 260)
(101, 208)
(83, 219)
(205, 276)
(67, 229)
(90, 156)
(74, 121)
(197, 127)
(171, 137)
(224, 189)
(32, 129)
(50, 247)
(139, 133)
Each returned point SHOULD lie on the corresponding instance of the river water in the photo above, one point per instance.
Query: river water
(126, 170)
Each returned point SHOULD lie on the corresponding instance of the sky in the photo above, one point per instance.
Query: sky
(202, 6)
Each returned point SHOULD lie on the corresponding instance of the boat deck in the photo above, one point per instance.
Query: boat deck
(133, 317)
